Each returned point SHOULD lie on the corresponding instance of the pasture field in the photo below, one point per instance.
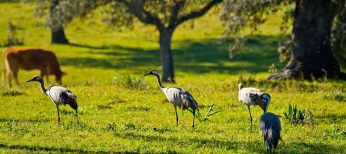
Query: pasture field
(122, 111)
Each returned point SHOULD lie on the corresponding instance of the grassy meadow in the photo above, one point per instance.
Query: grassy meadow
(122, 111)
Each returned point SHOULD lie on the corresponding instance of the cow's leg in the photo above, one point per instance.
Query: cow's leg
(47, 78)
(45, 74)
(15, 76)
(9, 77)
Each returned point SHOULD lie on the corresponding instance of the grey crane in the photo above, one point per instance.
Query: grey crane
(249, 96)
(178, 97)
(270, 126)
(59, 95)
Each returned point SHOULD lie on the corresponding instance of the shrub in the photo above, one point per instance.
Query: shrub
(129, 126)
(296, 116)
(110, 127)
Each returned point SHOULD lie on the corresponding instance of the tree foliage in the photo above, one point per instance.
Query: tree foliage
(67, 10)
(247, 14)
(166, 15)
(239, 15)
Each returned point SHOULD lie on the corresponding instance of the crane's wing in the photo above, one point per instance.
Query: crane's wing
(187, 99)
(69, 98)
(270, 128)
(62, 95)
(249, 96)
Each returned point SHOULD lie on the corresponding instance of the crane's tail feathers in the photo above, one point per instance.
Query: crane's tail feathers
(202, 118)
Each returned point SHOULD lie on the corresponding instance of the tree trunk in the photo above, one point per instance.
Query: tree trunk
(339, 43)
(56, 26)
(166, 55)
(311, 57)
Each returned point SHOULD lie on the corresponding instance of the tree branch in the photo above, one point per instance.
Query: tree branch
(136, 7)
(196, 14)
(174, 13)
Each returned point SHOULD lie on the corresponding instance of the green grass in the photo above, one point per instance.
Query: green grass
(122, 111)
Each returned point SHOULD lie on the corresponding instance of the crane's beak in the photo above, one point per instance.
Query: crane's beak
(147, 74)
(30, 80)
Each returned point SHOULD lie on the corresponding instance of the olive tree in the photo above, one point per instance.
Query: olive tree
(167, 15)
(60, 13)
(311, 56)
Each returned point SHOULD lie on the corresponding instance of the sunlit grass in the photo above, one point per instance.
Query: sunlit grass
(120, 110)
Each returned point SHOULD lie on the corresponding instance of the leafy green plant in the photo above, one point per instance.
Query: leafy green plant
(129, 126)
(296, 116)
(110, 127)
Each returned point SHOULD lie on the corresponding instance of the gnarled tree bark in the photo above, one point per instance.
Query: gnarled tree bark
(166, 55)
(56, 26)
(311, 57)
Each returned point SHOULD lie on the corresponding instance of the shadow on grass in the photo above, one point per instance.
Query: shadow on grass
(228, 145)
(301, 147)
(23, 120)
(332, 118)
(9, 1)
(252, 146)
(44, 148)
(191, 56)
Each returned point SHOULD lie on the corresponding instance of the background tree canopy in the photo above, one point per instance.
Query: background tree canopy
(166, 15)
(310, 43)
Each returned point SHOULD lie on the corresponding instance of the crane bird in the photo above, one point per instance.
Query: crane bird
(249, 96)
(178, 97)
(59, 95)
(270, 126)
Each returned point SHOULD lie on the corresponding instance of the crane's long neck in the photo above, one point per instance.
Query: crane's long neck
(266, 105)
(44, 90)
(159, 81)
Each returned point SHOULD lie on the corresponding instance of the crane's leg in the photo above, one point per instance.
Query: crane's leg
(57, 108)
(270, 149)
(193, 120)
(248, 108)
(176, 114)
(77, 115)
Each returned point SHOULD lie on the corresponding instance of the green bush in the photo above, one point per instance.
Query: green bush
(296, 116)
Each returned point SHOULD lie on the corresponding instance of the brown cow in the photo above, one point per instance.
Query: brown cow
(16, 58)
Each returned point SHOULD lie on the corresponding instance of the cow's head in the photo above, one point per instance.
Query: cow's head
(58, 76)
